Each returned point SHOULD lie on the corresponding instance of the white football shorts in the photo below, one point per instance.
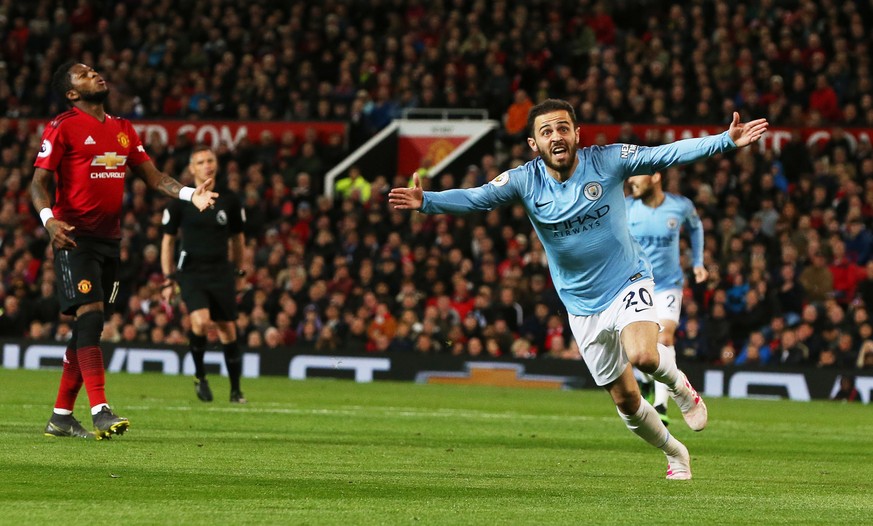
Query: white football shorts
(599, 335)
(668, 303)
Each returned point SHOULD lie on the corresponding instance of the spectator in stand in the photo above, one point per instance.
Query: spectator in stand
(354, 186)
(846, 353)
(13, 322)
(847, 391)
(859, 242)
(691, 344)
(823, 99)
(791, 351)
(816, 279)
(755, 352)
(515, 118)
(846, 274)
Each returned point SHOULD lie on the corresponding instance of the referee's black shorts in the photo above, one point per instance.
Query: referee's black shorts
(209, 286)
(88, 273)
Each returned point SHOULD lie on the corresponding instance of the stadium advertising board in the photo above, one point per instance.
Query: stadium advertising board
(213, 133)
(231, 133)
(800, 384)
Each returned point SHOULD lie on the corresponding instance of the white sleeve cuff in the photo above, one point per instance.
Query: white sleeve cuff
(45, 214)
(186, 193)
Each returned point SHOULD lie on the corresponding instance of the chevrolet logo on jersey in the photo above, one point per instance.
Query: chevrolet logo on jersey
(109, 160)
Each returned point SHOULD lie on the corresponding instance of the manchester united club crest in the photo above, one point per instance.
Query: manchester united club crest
(84, 286)
(123, 140)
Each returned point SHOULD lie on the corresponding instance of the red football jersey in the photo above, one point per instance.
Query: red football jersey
(90, 159)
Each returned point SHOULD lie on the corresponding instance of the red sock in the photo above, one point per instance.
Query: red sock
(71, 381)
(91, 363)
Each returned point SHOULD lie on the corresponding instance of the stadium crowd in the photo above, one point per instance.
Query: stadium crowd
(787, 234)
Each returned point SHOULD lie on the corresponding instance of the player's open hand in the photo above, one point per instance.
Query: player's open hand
(407, 198)
(745, 133)
(700, 274)
(203, 197)
(59, 232)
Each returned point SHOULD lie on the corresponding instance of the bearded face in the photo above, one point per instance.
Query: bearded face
(556, 140)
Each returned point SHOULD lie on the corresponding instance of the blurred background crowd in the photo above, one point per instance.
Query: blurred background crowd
(787, 233)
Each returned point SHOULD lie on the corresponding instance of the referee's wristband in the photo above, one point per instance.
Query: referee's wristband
(186, 193)
(45, 214)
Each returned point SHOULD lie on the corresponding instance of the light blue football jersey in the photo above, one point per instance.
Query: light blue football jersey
(657, 231)
(582, 222)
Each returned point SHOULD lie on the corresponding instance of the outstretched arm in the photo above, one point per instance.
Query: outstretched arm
(745, 133)
(638, 160)
(201, 197)
(40, 194)
(498, 192)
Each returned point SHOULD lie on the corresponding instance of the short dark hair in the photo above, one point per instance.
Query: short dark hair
(548, 106)
(200, 147)
(62, 82)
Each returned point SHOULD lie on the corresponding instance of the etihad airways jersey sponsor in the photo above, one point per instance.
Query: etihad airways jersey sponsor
(89, 159)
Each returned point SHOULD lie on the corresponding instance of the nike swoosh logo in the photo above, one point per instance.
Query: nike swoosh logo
(641, 310)
(540, 205)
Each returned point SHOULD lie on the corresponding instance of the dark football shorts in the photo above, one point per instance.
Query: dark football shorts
(209, 287)
(88, 274)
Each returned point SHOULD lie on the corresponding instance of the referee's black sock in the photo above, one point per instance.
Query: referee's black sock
(197, 344)
(233, 360)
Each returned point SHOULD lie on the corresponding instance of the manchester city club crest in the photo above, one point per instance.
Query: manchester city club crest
(593, 191)
(672, 223)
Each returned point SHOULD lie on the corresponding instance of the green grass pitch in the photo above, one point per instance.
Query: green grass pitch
(336, 452)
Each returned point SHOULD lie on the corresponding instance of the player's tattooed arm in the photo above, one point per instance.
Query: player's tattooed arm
(201, 197)
(39, 188)
(169, 186)
(40, 194)
(157, 179)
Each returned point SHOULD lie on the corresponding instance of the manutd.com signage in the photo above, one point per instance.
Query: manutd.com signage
(795, 384)
(775, 138)
(214, 133)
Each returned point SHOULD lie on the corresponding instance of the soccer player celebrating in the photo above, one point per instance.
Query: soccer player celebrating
(575, 200)
(205, 275)
(655, 218)
(85, 152)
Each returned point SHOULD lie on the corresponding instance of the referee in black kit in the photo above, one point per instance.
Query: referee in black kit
(204, 273)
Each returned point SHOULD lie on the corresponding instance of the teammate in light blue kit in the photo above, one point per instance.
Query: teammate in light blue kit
(655, 219)
(575, 201)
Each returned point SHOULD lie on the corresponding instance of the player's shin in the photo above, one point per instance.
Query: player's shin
(667, 371)
(646, 424)
(71, 379)
(89, 327)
